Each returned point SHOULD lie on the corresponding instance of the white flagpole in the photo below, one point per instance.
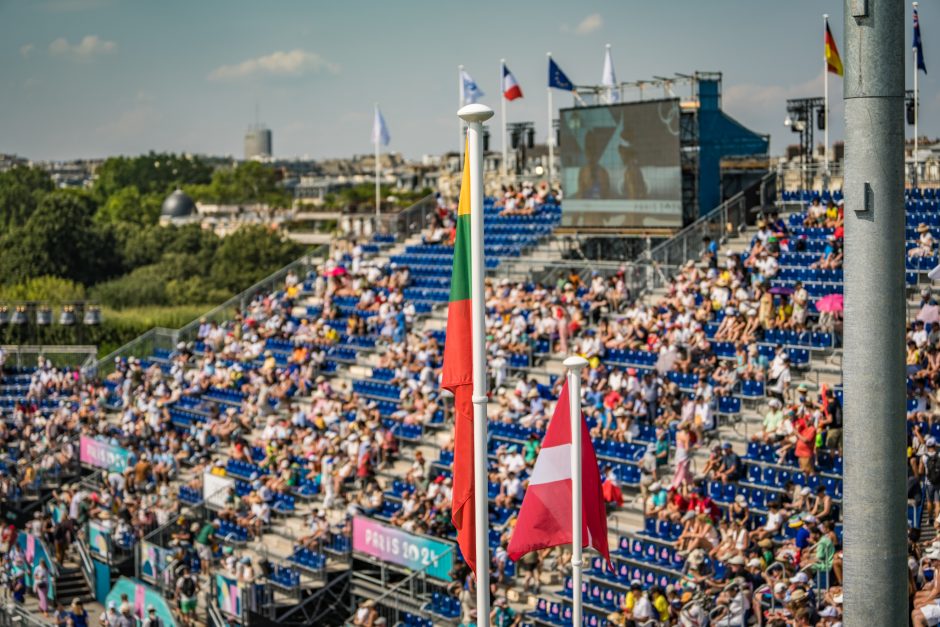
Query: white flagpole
(574, 366)
(551, 134)
(378, 194)
(502, 115)
(825, 105)
(474, 115)
(610, 88)
(460, 133)
(914, 178)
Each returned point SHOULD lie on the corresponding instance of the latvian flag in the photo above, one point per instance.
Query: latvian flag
(545, 517)
(511, 89)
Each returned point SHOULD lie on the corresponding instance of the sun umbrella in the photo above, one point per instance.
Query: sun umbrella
(929, 314)
(337, 271)
(830, 303)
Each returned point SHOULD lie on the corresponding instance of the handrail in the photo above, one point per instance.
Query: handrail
(409, 220)
(407, 580)
(172, 336)
(86, 565)
(712, 222)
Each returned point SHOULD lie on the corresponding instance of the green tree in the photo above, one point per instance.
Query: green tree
(129, 205)
(250, 182)
(48, 289)
(153, 173)
(21, 190)
(250, 254)
(59, 239)
(145, 286)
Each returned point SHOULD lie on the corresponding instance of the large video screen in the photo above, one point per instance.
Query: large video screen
(620, 165)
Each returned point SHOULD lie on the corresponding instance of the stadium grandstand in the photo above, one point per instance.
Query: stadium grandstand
(288, 458)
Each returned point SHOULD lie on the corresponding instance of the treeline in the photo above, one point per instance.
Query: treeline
(106, 242)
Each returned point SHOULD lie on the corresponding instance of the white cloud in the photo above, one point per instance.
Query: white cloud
(26, 49)
(280, 63)
(90, 46)
(589, 24)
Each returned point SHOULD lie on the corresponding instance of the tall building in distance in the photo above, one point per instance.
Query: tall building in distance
(258, 142)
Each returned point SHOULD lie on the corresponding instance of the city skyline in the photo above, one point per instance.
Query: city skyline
(92, 78)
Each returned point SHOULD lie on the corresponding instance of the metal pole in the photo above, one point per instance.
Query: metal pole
(825, 107)
(460, 133)
(574, 366)
(474, 115)
(874, 376)
(914, 176)
(502, 116)
(378, 194)
(551, 134)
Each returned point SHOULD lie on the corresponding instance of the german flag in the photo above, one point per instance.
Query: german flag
(833, 61)
(457, 376)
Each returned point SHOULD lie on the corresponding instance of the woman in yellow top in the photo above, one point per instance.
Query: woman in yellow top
(913, 358)
(660, 603)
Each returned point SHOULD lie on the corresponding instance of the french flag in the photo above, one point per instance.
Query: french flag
(511, 89)
(545, 517)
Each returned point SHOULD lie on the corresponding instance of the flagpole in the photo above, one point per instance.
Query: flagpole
(574, 366)
(378, 195)
(610, 88)
(460, 133)
(551, 133)
(474, 115)
(914, 177)
(825, 104)
(502, 115)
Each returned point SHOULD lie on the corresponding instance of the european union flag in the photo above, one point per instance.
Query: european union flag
(918, 46)
(557, 78)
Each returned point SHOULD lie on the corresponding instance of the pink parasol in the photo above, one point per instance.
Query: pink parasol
(337, 271)
(830, 303)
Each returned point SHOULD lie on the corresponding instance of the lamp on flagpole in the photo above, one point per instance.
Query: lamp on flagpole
(574, 366)
(474, 115)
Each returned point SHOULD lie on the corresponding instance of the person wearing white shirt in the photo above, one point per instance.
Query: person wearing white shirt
(919, 336)
(642, 608)
(615, 379)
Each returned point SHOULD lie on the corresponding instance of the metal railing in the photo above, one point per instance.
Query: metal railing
(140, 347)
(62, 356)
(163, 338)
(722, 222)
(389, 607)
(405, 223)
(229, 308)
(12, 615)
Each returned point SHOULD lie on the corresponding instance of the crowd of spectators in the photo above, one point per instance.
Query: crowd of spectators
(300, 425)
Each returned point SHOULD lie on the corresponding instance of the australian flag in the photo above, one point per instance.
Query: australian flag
(918, 47)
(557, 78)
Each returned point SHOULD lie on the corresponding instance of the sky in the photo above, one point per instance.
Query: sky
(93, 78)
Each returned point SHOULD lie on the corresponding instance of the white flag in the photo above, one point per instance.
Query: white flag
(470, 92)
(609, 79)
(379, 130)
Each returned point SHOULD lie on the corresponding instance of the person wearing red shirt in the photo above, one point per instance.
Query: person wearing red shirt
(805, 449)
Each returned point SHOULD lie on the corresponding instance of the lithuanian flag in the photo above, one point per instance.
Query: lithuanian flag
(457, 376)
(833, 61)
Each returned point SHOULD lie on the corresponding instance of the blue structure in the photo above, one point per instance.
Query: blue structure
(719, 136)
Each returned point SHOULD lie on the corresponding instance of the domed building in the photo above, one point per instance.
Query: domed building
(178, 207)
